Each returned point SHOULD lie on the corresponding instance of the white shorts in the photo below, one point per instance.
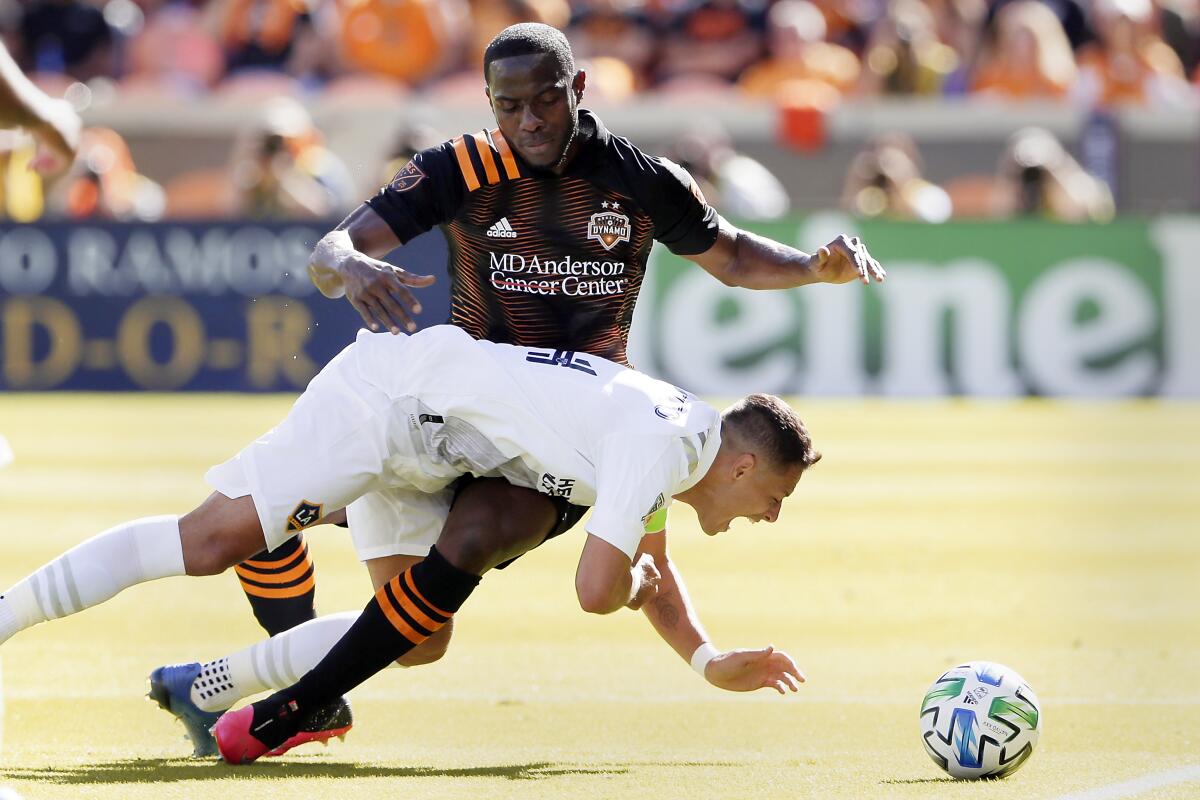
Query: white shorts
(397, 521)
(337, 449)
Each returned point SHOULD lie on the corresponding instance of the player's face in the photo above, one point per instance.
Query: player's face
(535, 106)
(756, 493)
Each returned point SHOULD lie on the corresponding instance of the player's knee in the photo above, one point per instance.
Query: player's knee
(429, 651)
(218, 535)
(207, 553)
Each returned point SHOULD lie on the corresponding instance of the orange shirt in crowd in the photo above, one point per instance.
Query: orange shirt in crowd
(1026, 85)
(401, 39)
(1124, 79)
(821, 61)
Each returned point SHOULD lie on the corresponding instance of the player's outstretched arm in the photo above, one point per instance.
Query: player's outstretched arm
(670, 612)
(741, 258)
(606, 580)
(52, 122)
(676, 621)
(347, 262)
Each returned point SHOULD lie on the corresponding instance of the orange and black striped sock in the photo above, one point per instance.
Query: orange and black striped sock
(281, 585)
(403, 613)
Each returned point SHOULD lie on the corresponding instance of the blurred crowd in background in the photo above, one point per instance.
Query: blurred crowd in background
(1090, 54)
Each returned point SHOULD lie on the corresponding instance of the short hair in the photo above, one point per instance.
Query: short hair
(771, 427)
(530, 38)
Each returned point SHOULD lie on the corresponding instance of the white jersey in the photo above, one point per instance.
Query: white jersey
(568, 424)
(392, 421)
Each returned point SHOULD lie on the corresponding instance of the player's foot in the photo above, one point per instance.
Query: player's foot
(333, 721)
(248, 734)
(171, 688)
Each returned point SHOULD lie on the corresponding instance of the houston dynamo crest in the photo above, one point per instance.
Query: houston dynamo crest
(609, 227)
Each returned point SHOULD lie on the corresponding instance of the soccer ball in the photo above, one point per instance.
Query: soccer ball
(980, 720)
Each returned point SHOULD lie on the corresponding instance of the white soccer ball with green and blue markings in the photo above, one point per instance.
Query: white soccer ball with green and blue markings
(980, 720)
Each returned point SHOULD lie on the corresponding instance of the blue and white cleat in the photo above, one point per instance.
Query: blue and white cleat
(171, 688)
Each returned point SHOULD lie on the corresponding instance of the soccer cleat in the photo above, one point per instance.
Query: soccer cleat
(235, 742)
(333, 721)
(171, 688)
(238, 737)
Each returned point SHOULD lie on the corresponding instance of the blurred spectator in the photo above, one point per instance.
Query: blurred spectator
(284, 170)
(1038, 177)
(276, 35)
(1181, 30)
(904, 55)
(848, 22)
(959, 26)
(1030, 58)
(408, 40)
(799, 52)
(737, 184)
(105, 184)
(489, 17)
(615, 29)
(175, 52)
(885, 180)
(714, 38)
(1071, 13)
(412, 139)
(65, 36)
(1129, 64)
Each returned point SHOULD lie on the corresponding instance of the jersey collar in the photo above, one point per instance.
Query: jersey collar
(593, 138)
(708, 454)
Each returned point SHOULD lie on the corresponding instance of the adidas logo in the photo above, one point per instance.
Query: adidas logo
(502, 230)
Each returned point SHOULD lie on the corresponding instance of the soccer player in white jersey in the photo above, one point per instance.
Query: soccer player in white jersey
(416, 413)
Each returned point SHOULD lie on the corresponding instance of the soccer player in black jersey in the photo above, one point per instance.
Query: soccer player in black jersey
(549, 219)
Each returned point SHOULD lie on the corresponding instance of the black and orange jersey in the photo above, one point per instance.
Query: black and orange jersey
(545, 260)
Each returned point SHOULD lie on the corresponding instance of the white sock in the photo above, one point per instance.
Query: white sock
(92, 572)
(272, 664)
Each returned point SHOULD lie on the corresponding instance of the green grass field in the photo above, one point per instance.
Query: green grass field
(1059, 539)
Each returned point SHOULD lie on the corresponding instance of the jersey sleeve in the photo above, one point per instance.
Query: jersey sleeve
(424, 194)
(634, 477)
(683, 219)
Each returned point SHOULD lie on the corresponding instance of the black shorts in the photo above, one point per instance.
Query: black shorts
(567, 514)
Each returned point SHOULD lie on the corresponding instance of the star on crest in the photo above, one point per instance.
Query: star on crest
(604, 204)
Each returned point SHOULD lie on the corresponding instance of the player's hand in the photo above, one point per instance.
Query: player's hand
(58, 137)
(843, 260)
(378, 291)
(645, 581)
(747, 670)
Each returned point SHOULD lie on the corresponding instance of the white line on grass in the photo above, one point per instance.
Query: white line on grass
(1138, 785)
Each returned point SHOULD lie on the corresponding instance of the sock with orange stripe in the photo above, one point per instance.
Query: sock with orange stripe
(403, 613)
(281, 585)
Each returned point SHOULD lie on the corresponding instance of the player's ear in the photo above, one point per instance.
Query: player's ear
(578, 83)
(743, 465)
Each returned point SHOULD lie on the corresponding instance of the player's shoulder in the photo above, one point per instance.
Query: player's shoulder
(482, 158)
(647, 174)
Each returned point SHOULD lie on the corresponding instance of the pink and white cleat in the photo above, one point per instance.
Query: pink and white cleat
(241, 741)
(235, 742)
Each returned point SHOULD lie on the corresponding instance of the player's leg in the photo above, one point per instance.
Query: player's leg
(283, 659)
(405, 611)
(281, 585)
(219, 533)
